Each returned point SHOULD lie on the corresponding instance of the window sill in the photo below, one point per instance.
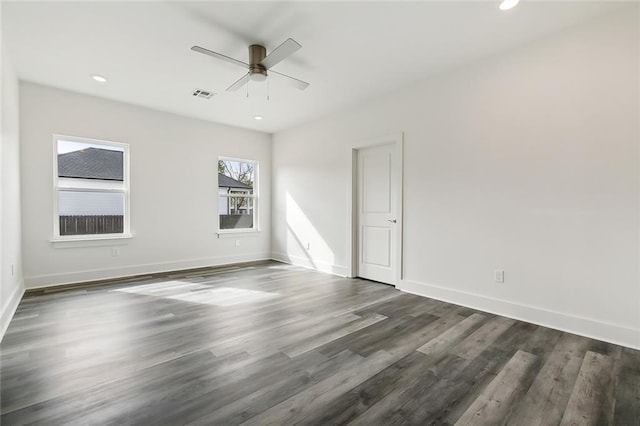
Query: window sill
(235, 233)
(89, 241)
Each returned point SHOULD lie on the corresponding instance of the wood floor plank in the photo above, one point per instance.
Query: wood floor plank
(306, 344)
(627, 408)
(364, 338)
(590, 403)
(256, 342)
(391, 408)
(494, 403)
(409, 340)
(451, 396)
(479, 340)
(447, 338)
(547, 398)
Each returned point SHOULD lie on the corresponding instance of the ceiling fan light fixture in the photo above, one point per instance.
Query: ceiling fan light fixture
(258, 76)
(508, 4)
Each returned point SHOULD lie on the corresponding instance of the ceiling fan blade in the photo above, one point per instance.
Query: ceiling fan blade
(238, 84)
(218, 56)
(298, 84)
(279, 53)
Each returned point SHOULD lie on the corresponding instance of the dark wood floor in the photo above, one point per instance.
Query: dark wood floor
(275, 344)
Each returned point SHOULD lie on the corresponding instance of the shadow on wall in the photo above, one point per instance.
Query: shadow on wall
(304, 242)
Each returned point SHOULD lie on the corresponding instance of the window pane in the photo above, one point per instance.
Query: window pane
(90, 184)
(238, 212)
(236, 176)
(90, 161)
(82, 213)
(236, 188)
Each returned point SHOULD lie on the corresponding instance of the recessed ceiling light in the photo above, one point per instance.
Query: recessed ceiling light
(257, 117)
(99, 78)
(508, 4)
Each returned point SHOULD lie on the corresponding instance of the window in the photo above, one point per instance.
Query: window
(91, 181)
(237, 195)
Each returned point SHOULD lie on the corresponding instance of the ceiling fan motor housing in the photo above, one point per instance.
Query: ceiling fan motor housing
(256, 54)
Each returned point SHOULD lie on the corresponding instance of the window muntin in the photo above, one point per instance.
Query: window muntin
(91, 180)
(237, 195)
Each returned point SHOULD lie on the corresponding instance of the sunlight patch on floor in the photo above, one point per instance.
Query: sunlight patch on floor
(199, 293)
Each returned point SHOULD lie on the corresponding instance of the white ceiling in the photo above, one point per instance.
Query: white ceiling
(352, 51)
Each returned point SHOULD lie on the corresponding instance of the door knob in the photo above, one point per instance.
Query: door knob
(391, 220)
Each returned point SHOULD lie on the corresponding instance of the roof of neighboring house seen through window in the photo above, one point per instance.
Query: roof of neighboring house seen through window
(91, 163)
(225, 181)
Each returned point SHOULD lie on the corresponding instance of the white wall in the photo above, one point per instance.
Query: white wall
(174, 190)
(527, 162)
(11, 282)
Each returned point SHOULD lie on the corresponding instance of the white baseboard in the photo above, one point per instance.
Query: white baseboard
(310, 264)
(9, 308)
(587, 327)
(127, 271)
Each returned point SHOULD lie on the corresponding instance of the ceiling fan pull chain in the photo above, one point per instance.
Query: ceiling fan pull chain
(248, 88)
(268, 78)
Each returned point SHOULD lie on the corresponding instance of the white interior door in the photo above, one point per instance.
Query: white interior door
(377, 221)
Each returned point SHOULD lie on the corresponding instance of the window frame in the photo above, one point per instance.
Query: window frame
(126, 190)
(254, 196)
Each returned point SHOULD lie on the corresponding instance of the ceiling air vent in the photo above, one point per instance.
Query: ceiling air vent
(202, 93)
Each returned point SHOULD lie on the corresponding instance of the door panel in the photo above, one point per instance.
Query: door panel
(376, 184)
(376, 244)
(376, 213)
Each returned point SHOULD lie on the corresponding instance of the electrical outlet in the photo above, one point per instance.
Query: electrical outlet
(498, 275)
(237, 243)
(115, 252)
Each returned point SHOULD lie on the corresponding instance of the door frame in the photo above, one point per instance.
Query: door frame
(396, 139)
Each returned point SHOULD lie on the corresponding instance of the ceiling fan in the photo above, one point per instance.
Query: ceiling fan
(260, 63)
